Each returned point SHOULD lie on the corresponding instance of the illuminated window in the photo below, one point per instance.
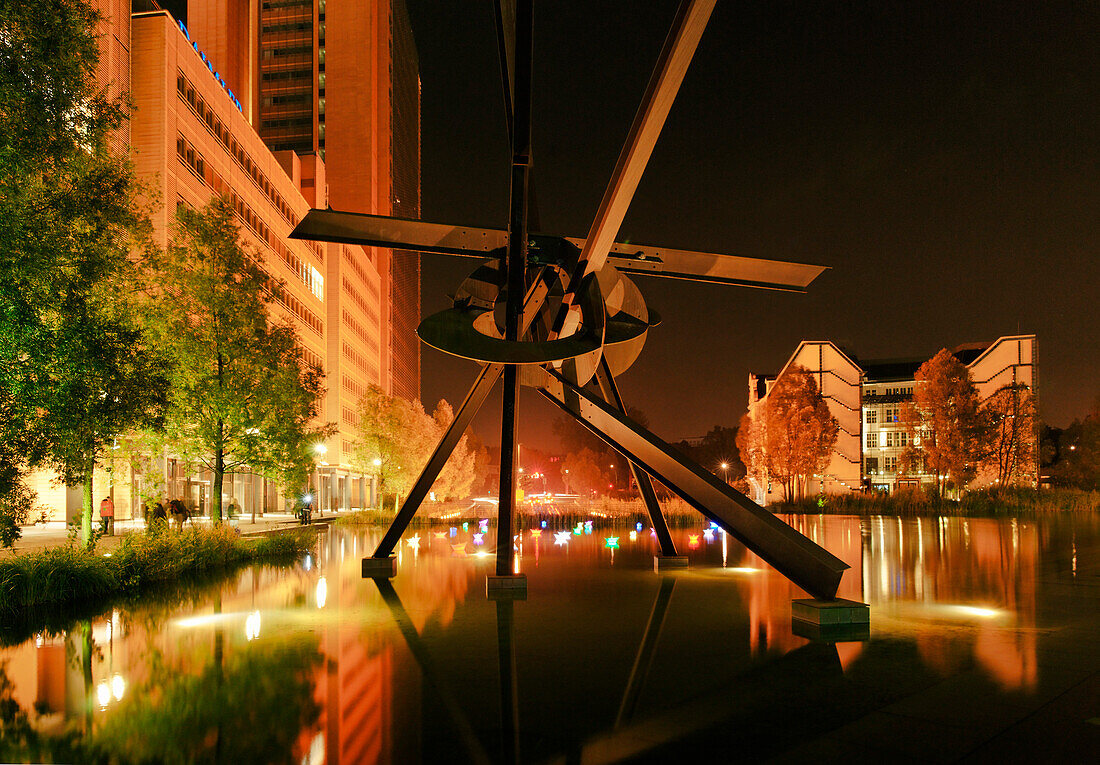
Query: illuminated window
(872, 416)
(872, 440)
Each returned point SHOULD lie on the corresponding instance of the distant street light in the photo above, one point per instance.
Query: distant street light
(320, 448)
(725, 472)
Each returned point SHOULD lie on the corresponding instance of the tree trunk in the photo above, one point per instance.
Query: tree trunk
(219, 477)
(86, 505)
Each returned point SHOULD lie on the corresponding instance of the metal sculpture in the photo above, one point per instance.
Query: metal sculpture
(562, 316)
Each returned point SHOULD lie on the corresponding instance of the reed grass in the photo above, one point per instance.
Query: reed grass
(71, 574)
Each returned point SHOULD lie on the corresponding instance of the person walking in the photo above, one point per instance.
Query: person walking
(107, 516)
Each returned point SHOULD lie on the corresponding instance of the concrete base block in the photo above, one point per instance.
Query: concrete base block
(831, 621)
(380, 568)
(510, 587)
(669, 562)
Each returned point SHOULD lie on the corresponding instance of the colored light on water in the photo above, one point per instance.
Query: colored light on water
(459, 551)
(322, 592)
(414, 543)
(588, 524)
(479, 538)
(544, 524)
(611, 542)
(693, 541)
(465, 526)
(633, 535)
(454, 531)
(561, 537)
(709, 535)
(638, 526)
(536, 533)
(483, 553)
(483, 523)
(578, 529)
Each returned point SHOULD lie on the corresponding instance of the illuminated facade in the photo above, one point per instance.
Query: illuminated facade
(866, 398)
(338, 80)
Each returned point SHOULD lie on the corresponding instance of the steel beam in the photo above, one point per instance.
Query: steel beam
(814, 569)
(610, 392)
(646, 651)
(483, 385)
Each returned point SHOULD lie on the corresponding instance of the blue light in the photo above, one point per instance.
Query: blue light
(454, 531)
(544, 524)
(638, 526)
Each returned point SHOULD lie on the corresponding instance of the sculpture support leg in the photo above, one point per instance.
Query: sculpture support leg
(811, 567)
(506, 505)
(610, 392)
(465, 414)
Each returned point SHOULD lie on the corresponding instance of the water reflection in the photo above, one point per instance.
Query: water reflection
(314, 664)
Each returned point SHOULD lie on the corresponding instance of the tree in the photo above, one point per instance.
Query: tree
(396, 439)
(1078, 459)
(944, 421)
(583, 472)
(242, 392)
(1011, 450)
(793, 436)
(457, 477)
(76, 369)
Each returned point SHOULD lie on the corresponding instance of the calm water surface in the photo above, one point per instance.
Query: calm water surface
(604, 660)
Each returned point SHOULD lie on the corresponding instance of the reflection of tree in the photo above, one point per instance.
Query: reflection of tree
(248, 707)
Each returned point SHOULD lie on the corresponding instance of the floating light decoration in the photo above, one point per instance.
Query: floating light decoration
(561, 538)
(465, 525)
(479, 538)
(459, 550)
(536, 533)
(414, 543)
(544, 524)
(454, 532)
(578, 529)
(611, 543)
(693, 541)
(709, 535)
(441, 535)
(633, 535)
(638, 526)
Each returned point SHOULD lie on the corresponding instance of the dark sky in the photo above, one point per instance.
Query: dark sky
(942, 158)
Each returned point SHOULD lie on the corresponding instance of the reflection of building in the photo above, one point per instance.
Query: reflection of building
(866, 398)
(250, 101)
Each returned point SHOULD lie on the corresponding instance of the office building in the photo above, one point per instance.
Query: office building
(866, 397)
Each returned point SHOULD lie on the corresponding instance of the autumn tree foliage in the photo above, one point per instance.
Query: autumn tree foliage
(1011, 436)
(945, 422)
(396, 439)
(792, 437)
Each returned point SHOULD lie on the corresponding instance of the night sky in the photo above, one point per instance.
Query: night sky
(942, 158)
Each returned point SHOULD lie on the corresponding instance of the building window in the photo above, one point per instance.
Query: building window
(872, 416)
(871, 466)
(890, 414)
(890, 464)
(872, 440)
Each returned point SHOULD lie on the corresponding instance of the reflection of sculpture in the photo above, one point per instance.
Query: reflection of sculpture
(560, 315)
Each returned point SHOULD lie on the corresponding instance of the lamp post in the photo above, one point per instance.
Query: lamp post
(725, 472)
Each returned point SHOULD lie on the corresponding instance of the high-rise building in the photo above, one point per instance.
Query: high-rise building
(339, 80)
(866, 397)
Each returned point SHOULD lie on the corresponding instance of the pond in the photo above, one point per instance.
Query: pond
(984, 642)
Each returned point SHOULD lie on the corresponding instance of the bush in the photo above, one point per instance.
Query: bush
(70, 574)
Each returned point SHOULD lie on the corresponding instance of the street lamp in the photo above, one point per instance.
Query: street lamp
(725, 472)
